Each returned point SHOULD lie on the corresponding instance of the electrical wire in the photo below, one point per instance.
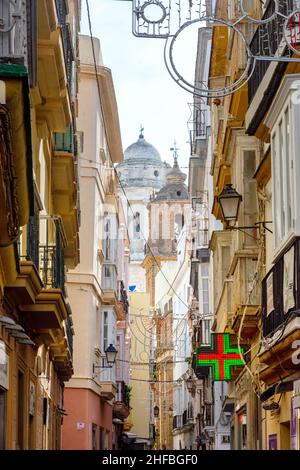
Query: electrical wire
(113, 167)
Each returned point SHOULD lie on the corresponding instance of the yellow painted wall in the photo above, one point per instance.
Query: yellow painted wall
(140, 333)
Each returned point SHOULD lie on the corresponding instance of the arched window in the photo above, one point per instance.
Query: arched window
(137, 226)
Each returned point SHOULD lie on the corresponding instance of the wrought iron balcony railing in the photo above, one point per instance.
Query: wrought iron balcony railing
(62, 12)
(69, 334)
(197, 126)
(266, 41)
(280, 292)
(45, 244)
(177, 422)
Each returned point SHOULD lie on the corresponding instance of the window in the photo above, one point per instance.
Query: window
(137, 226)
(204, 289)
(283, 121)
(206, 330)
(107, 439)
(101, 438)
(107, 247)
(94, 436)
(105, 330)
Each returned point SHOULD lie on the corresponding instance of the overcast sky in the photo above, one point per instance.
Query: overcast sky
(146, 94)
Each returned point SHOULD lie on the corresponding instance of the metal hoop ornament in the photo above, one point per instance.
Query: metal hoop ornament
(206, 92)
(158, 4)
(286, 25)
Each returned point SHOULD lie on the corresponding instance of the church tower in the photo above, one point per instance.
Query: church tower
(168, 212)
(142, 174)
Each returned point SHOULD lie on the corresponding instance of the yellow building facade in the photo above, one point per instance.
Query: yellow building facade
(39, 218)
(256, 261)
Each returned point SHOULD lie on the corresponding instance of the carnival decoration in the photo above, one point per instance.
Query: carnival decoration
(270, 34)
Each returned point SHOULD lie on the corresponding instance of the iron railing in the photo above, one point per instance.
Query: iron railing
(62, 12)
(266, 41)
(184, 417)
(45, 244)
(177, 422)
(197, 127)
(280, 305)
(69, 334)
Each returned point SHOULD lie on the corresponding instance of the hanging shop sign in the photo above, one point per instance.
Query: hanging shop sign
(220, 356)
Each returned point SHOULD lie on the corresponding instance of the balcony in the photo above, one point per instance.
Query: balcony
(281, 316)
(15, 33)
(53, 95)
(177, 422)
(224, 310)
(109, 283)
(69, 333)
(38, 291)
(62, 12)
(108, 383)
(65, 184)
(264, 82)
(121, 408)
(197, 129)
(242, 302)
(51, 252)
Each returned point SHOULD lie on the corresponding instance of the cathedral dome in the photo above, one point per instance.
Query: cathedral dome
(142, 166)
(142, 150)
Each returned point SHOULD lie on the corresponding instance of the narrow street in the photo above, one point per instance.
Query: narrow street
(149, 228)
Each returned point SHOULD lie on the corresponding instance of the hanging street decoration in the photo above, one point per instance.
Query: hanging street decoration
(220, 356)
(275, 36)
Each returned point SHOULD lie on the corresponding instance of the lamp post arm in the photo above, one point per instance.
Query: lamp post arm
(248, 227)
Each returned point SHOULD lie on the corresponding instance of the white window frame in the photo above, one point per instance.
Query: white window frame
(286, 103)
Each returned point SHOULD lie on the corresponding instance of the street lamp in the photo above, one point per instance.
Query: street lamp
(110, 354)
(230, 201)
(190, 384)
(156, 411)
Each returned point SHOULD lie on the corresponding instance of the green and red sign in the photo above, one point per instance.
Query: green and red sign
(220, 356)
